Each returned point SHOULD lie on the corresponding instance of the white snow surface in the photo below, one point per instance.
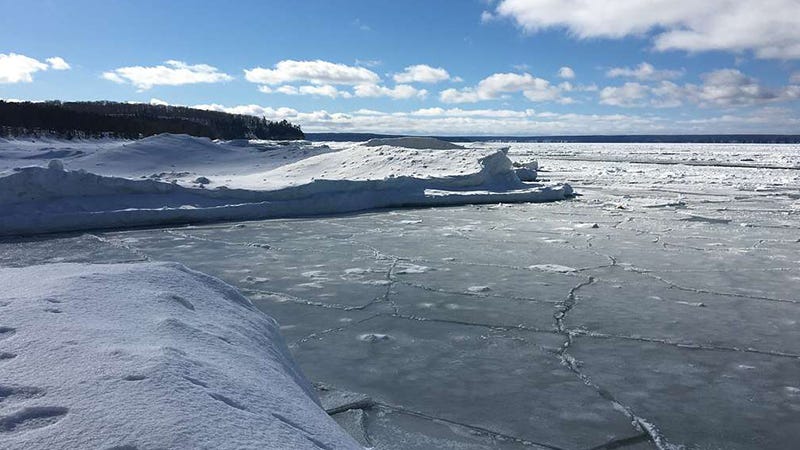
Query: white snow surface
(157, 180)
(147, 355)
(421, 143)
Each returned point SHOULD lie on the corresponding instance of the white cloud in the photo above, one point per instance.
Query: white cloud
(314, 72)
(158, 102)
(111, 76)
(566, 73)
(763, 120)
(795, 78)
(171, 73)
(325, 90)
(368, 62)
(15, 68)
(401, 91)
(720, 88)
(455, 121)
(667, 95)
(730, 87)
(499, 84)
(422, 73)
(58, 63)
(768, 27)
(644, 72)
(627, 95)
(458, 112)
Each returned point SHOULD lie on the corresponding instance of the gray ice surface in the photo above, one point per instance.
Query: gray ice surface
(651, 312)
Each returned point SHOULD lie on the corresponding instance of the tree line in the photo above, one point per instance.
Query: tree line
(133, 121)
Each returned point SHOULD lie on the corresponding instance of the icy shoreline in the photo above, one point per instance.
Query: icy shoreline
(108, 189)
(147, 355)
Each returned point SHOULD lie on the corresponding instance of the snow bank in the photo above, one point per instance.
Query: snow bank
(147, 356)
(420, 143)
(244, 183)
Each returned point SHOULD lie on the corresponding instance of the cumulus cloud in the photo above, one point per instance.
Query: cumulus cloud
(422, 73)
(452, 121)
(458, 112)
(456, 121)
(16, 68)
(643, 72)
(627, 95)
(58, 63)
(401, 91)
(719, 88)
(667, 95)
(499, 84)
(325, 90)
(768, 28)
(323, 77)
(313, 72)
(171, 73)
(730, 87)
(566, 73)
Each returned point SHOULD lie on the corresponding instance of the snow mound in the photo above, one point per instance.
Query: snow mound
(446, 168)
(419, 143)
(147, 356)
(155, 154)
(197, 180)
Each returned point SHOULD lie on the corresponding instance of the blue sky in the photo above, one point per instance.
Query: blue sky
(423, 67)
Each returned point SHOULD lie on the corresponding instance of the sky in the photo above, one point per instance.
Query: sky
(444, 67)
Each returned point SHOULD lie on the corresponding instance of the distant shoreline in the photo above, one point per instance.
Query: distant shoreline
(622, 139)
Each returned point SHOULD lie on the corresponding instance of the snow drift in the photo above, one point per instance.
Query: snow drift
(211, 181)
(421, 143)
(147, 356)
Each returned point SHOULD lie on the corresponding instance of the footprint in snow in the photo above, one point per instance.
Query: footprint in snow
(228, 401)
(32, 418)
(6, 332)
(195, 381)
(16, 394)
(135, 377)
(182, 301)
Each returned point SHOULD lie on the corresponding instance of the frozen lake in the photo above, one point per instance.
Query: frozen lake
(658, 309)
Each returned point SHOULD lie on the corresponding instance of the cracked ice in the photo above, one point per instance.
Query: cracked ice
(657, 310)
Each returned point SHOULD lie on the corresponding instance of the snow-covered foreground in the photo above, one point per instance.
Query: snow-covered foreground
(147, 356)
(48, 186)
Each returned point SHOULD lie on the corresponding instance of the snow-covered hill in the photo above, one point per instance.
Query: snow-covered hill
(147, 356)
